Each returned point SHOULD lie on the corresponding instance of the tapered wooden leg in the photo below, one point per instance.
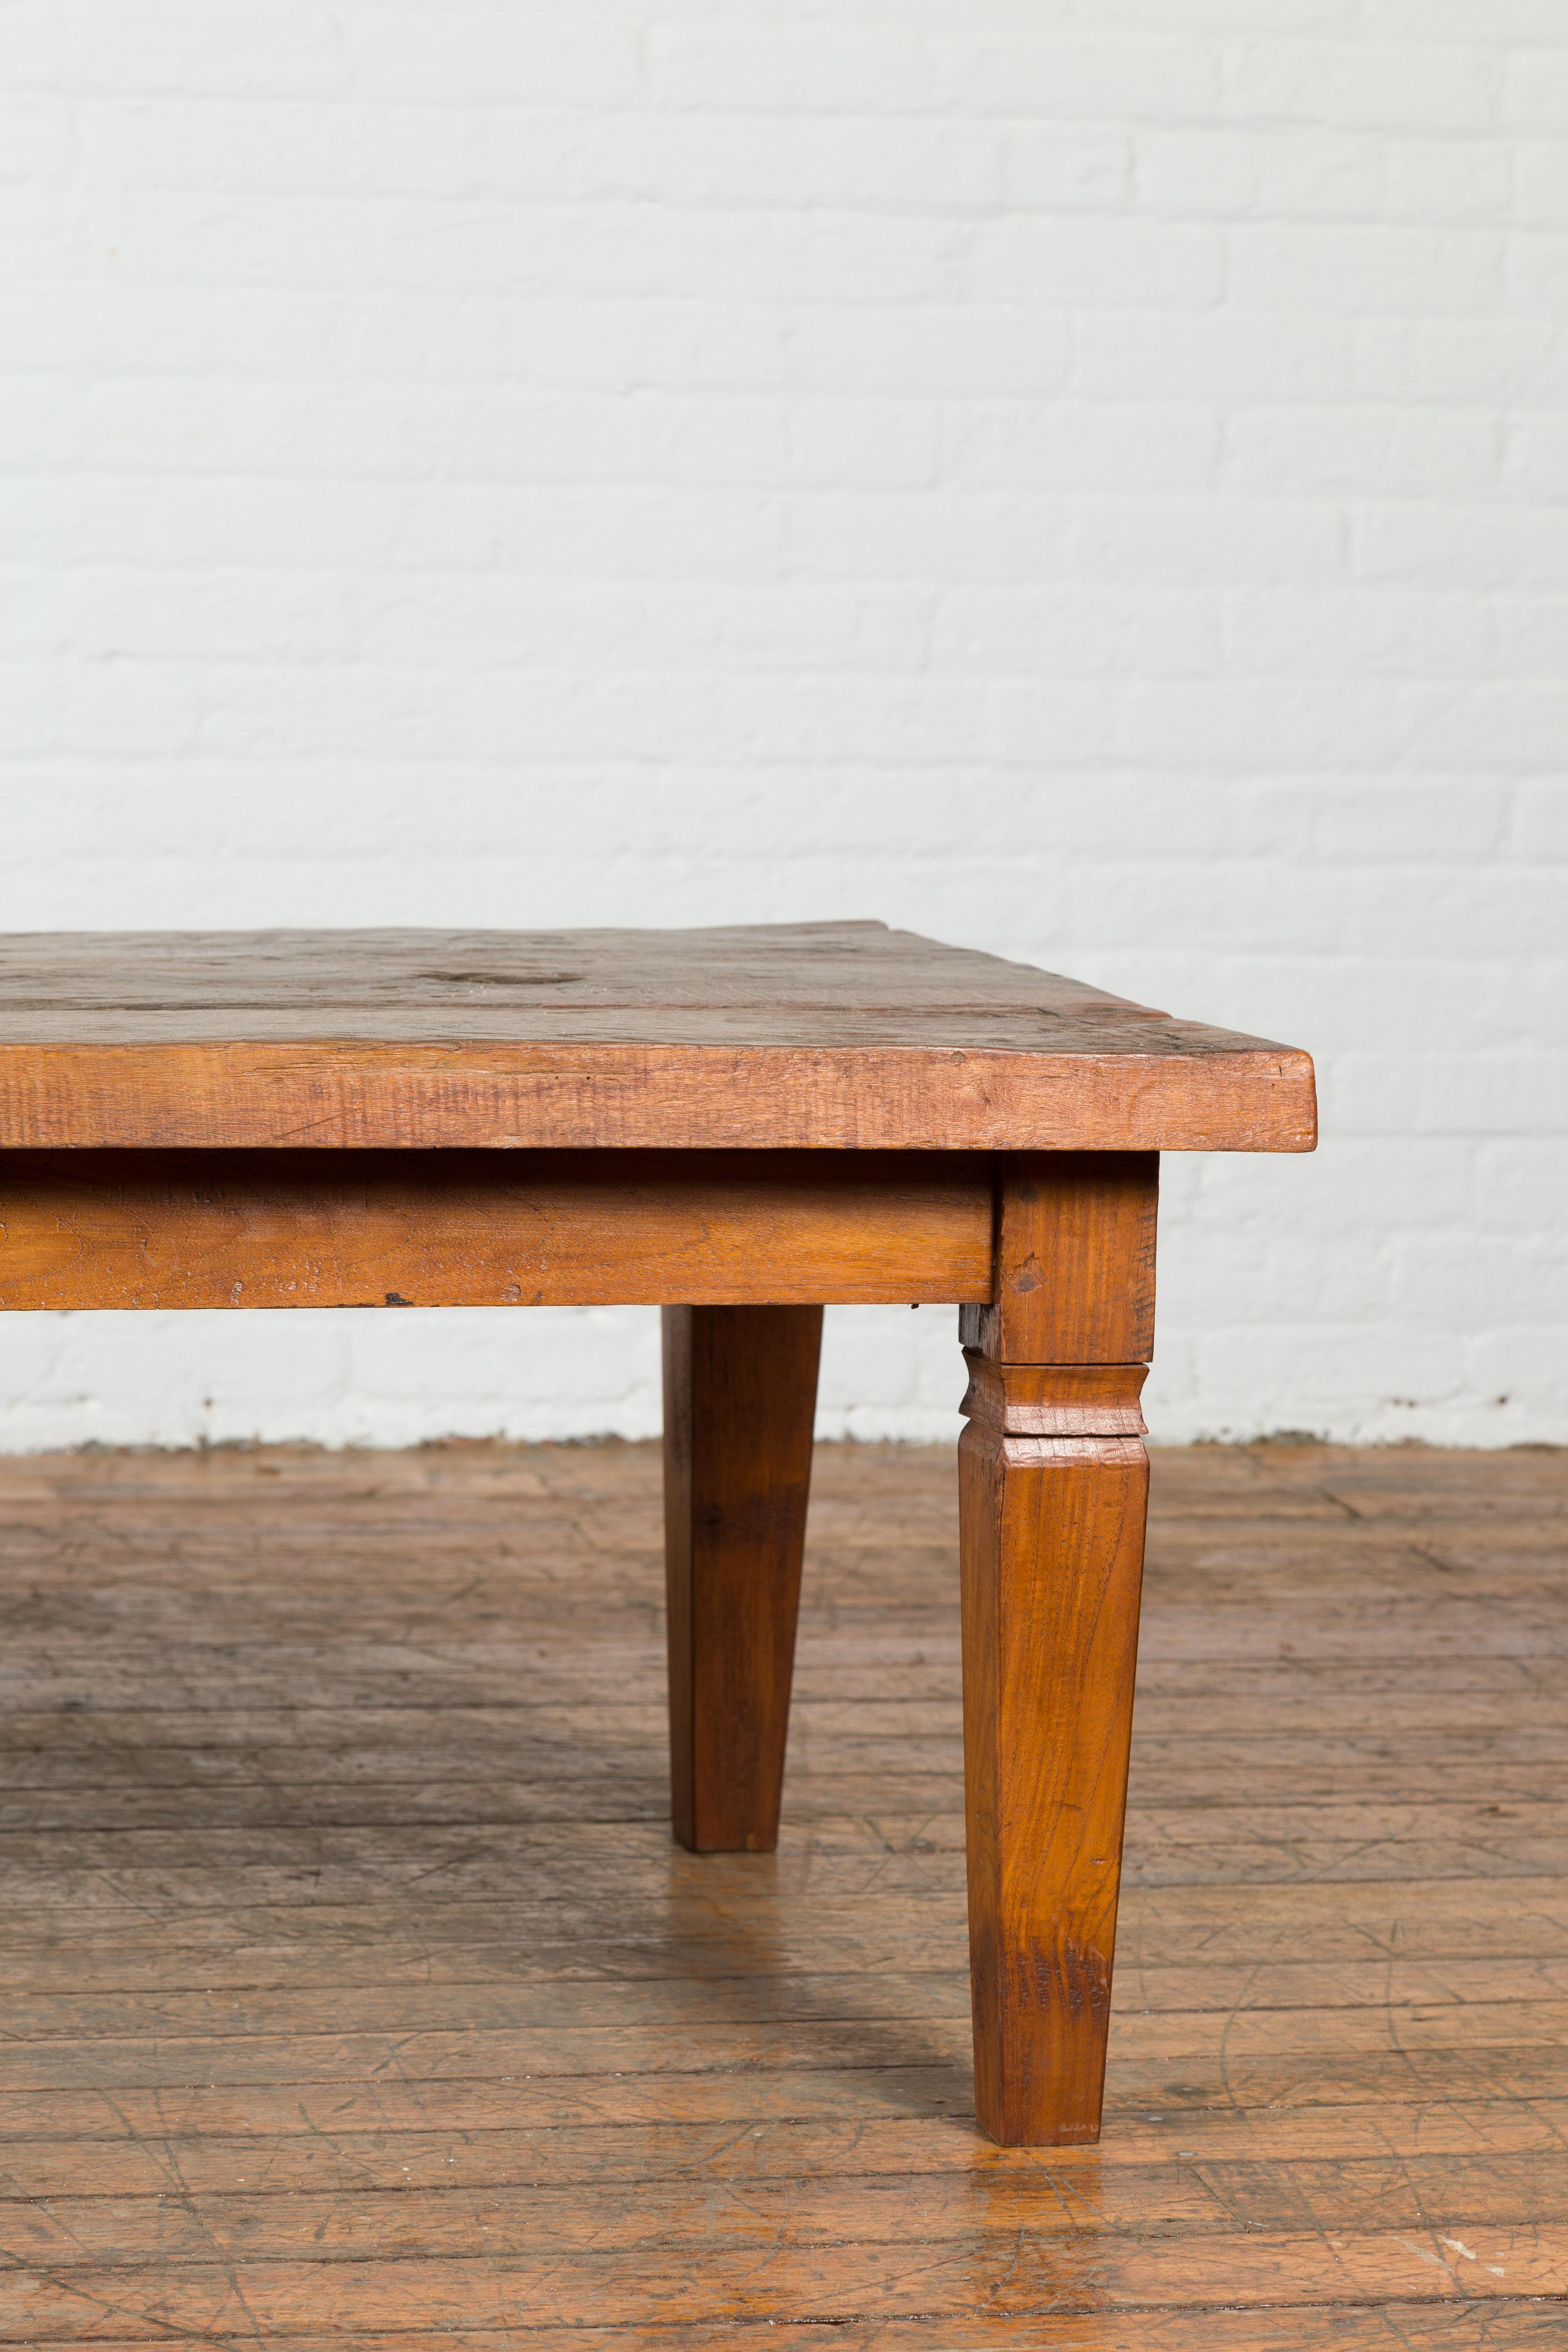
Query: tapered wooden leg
(739, 1395)
(1053, 1554)
(1052, 1486)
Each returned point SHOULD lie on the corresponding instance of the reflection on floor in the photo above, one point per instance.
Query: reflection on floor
(354, 1995)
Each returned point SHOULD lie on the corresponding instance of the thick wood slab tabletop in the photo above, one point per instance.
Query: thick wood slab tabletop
(811, 1035)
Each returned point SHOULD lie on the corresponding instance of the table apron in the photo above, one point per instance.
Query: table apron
(492, 1228)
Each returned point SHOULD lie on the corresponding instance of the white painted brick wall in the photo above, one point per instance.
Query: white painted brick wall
(1087, 481)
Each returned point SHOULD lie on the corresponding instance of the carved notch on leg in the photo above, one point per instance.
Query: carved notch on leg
(1057, 1412)
(740, 1396)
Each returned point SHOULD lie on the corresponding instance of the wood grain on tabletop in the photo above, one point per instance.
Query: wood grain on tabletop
(774, 1036)
(354, 1992)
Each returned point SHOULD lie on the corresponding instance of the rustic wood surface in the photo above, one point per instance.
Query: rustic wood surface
(237, 1229)
(813, 1035)
(354, 1995)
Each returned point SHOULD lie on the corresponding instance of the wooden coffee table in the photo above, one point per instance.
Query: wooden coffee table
(737, 1126)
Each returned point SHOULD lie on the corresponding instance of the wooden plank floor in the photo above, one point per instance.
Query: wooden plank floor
(354, 1996)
